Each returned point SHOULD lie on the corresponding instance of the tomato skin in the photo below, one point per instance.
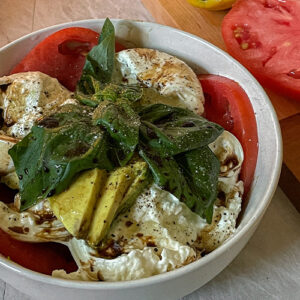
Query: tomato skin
(74, 47)
(39, 257)
(227, 104)
(56, 57)
(263, 35)
(45, 57)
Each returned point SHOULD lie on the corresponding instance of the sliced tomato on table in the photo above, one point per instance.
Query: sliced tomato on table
(61, 55)
(227, 104)
(264, 35)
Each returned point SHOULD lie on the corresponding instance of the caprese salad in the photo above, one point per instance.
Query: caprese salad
(119, 155)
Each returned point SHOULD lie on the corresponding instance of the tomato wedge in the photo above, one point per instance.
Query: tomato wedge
(61, 55)
(40, 257)
(227, 104)
(46, 57)
(264, 35)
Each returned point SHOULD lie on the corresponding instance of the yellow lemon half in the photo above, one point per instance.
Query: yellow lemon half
(212, 4)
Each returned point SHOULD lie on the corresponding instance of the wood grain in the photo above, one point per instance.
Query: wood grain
(180, 14)
(207, 25)
(290, 128)
(290, 175)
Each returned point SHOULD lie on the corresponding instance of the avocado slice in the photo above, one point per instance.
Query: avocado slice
(142, 180)
(111, 196)
(74, 207)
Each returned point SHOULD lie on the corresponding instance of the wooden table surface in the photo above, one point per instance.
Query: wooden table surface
(207, 25)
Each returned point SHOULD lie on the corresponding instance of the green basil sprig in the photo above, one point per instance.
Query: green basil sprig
(122, 123)
(100, 60)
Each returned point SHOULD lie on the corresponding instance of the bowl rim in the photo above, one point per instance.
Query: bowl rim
(237, 236)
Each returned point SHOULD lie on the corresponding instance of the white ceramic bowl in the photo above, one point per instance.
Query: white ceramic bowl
(204, 57)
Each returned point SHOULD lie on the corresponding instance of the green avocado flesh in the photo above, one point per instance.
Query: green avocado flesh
(89, 206)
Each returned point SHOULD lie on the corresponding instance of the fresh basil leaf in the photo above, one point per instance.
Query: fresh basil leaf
(112, 92)
(156, 112)
(100, 60)
(91, 92)
(122, 124)
(177, 130)
(131, 92)
(88, 85)
(108, 29)
(108, 93)
(201, 168)
(55, 151)
(151, 135)
(86, 100)
(167, 175)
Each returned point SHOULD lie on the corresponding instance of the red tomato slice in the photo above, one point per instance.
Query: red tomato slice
(40, 257)
(227, 104)
(264, 35)
(74, 47)
(46, 57)
(61, 55)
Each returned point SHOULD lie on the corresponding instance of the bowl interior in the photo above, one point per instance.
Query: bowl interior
(202, 57)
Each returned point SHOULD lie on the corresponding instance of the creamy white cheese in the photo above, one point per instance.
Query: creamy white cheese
(27, 97)
(158, 232)
(134, 265)
(170, 76)
(224, 220)
(6, 163)
(37, 224)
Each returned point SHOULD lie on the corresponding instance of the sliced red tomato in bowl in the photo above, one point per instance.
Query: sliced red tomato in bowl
(227, 104)
(61, 55)
(264, 35)
(39, 257)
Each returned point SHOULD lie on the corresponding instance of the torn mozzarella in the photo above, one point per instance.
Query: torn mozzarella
(6, 163)
(38, 224)
(26, 97)
(170, 76)
(157, 234)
